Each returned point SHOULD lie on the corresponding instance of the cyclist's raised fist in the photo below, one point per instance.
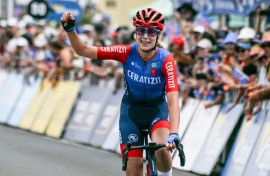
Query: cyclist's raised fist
(68, 22)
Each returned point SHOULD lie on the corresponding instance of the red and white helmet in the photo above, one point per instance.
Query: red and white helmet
(149, 18)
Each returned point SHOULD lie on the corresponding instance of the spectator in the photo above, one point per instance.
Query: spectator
(243, 50)
(229, 44)
(264, 59)
(187, 11)
(246, 34)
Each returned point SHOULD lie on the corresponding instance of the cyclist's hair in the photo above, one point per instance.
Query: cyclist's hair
(159, 45)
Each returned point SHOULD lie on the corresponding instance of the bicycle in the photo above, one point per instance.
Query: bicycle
(150, 157)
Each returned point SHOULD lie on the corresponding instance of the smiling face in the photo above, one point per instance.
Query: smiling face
(146, 37)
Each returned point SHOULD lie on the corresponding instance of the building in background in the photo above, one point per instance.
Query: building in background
(121, 12)
(119, 9)
(6, 9)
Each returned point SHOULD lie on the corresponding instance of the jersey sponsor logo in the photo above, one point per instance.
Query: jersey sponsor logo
(120, 137)
(115, 49)
(169, 68)
(153, 72)
(143, 79)
(135, 65)
(155, 120)
(133, 138)
(154, 65)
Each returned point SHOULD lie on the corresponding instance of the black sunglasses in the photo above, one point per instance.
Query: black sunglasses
(151, 32)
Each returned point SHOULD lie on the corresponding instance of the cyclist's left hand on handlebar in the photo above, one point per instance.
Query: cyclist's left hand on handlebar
(170, 142)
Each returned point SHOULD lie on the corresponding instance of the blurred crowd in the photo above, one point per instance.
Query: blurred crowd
(219, 64)
(216, 64)
(43, 50)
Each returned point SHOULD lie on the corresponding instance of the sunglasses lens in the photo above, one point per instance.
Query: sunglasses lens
(140, 31)
(151, 32)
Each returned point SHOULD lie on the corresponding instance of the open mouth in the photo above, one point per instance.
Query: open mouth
(145, 43)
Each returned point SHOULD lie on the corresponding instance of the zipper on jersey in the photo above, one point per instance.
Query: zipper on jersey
(144, 66)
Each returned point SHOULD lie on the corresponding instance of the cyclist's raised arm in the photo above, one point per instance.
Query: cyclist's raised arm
(68, 22)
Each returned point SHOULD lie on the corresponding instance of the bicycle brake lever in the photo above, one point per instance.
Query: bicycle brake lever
(125, 157)
(181, 153)
(124, 163)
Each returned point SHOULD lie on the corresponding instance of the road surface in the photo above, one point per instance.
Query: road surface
(23, 153)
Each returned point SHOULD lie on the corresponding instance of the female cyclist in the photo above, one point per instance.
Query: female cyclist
(149, 74)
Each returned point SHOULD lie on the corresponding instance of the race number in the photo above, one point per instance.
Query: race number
(38, 9)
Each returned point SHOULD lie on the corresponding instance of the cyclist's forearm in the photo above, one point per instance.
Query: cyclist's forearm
(80, 47)
(174, 111)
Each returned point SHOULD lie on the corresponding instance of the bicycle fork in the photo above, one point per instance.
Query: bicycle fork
(151, 165)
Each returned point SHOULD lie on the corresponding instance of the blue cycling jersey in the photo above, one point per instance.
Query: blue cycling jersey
(144, 80)
(146, 83)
